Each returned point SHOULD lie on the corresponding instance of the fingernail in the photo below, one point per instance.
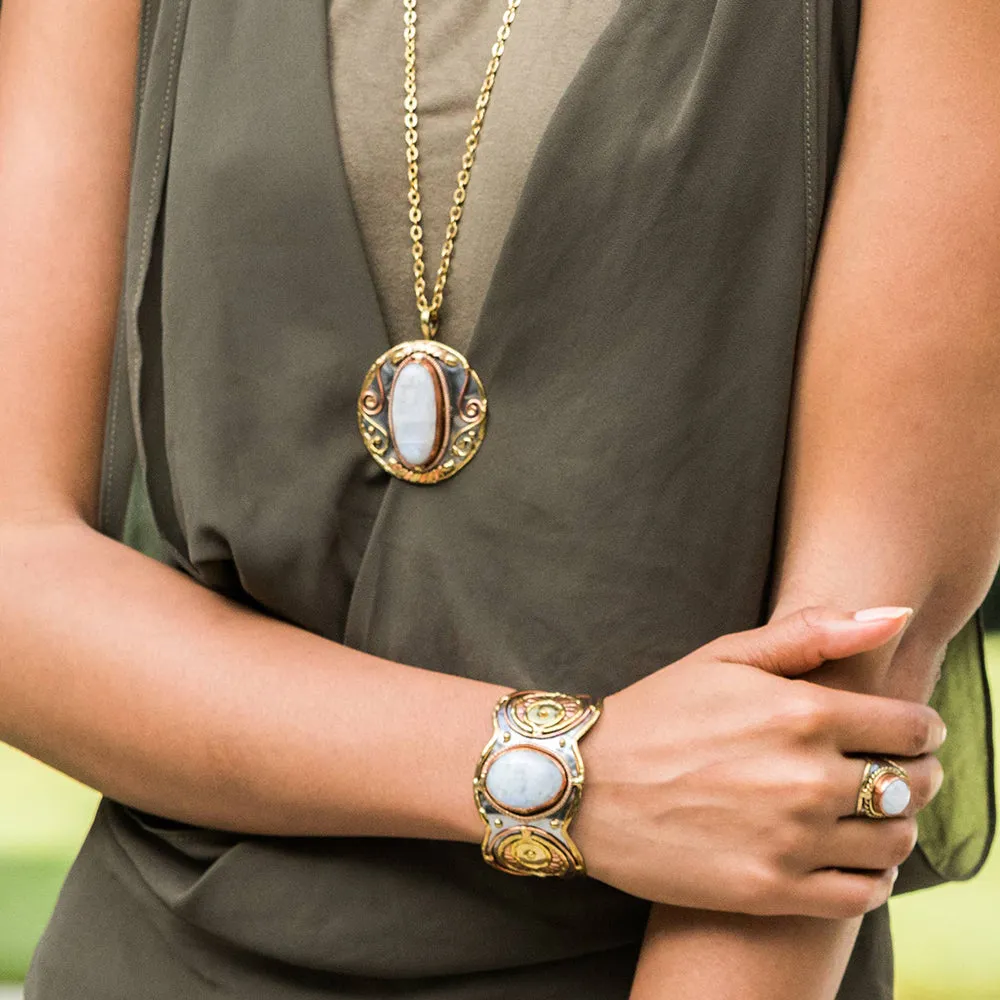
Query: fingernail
(894, 874)
(882, 614)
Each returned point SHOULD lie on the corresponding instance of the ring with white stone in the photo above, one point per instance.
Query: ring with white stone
(884, 791)
(529, 782)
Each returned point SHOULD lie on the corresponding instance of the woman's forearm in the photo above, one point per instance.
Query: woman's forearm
(162, 694)
(694, 955)
(713, 956)
(147, 686)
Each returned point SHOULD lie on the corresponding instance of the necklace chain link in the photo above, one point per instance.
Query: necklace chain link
(430, 311)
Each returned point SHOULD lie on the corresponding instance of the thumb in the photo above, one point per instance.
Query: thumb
(804, 639)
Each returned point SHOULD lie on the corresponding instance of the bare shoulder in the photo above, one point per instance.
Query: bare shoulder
(61, 40)
(927, 79)
(67, 81)
(916, 205)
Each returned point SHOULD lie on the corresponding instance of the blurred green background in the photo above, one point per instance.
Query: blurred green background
(947, 939)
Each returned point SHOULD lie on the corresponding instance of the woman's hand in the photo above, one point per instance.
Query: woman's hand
(719, 783)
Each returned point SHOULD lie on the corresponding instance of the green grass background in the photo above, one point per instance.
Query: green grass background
(947, 939)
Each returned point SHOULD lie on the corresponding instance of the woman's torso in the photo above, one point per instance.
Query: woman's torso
(628, 282)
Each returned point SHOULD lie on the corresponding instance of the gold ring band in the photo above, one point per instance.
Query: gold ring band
(884, 791)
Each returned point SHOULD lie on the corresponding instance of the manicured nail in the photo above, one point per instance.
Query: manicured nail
(882, 614)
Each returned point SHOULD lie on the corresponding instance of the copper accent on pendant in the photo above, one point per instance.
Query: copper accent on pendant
(422, 411)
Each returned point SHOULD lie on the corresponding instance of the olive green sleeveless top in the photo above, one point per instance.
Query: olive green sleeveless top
(637, 335)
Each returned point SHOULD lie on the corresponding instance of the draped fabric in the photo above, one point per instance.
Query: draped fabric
(637, 339)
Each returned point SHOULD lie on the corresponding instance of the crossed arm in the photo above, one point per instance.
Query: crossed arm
(892, 488)
(911, 249)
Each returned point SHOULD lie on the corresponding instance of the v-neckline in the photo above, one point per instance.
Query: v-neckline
(539, 158)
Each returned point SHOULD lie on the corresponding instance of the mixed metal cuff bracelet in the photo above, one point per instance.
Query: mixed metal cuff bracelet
(529, 782)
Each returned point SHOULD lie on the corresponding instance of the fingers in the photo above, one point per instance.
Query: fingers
(885, 727)
(808, 637)
(830, 893)
(840, 895)
(870, 844)
(855, 862)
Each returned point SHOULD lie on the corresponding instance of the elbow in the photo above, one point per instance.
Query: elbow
(30, 539)
(45, 510)
(915, 666)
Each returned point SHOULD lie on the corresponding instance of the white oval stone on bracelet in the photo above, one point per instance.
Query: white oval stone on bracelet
(525, 780)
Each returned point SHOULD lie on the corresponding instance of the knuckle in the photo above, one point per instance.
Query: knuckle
(809, 620)
(856, 898)
(813, 792)
(811, 616)
(835, 904)
(788, 844)
(761, 891)
(841, 906)
(851, 903)
(919, 736)
(806, 714)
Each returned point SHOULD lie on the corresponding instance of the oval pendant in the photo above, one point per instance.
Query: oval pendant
(422, 411)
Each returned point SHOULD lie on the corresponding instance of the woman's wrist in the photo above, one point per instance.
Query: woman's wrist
(442, 805)
(598, 757)
(204, 711)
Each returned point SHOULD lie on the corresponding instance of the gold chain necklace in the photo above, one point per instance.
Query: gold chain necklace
(431, 419)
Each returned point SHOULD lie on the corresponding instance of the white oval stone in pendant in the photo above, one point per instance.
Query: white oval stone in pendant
(895, 797)
(525, 780)
(418, 411)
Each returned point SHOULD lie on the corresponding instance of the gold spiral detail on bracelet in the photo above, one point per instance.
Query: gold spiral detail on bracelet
(527, 851)
(544, 714)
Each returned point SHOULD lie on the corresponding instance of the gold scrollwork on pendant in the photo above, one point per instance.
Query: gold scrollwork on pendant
(461, 409)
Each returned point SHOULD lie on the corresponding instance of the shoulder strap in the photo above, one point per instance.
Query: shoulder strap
(119, 453)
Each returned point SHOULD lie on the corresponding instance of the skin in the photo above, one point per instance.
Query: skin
(96, 654)
(688, 796)
(890, 493)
